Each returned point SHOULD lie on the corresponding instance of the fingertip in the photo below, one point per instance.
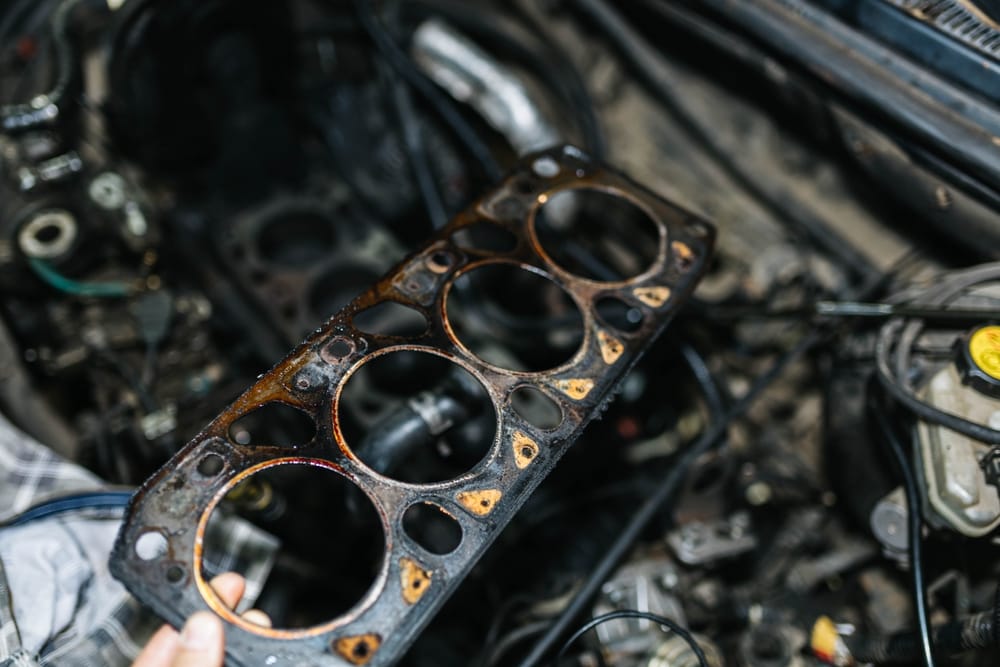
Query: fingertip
(202, 631)
(159, 650)
(201, 643)
(257, 617)
(230, 587)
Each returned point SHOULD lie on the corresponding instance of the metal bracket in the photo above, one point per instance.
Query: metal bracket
(175, 503)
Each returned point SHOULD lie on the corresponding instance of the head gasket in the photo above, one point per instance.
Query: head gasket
(175, 503)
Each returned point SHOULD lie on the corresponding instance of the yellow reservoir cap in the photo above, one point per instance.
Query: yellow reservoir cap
(984, 350)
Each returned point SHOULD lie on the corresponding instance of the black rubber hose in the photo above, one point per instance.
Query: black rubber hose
(408, 428)
(967, 634)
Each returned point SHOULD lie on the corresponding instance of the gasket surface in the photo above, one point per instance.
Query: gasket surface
(175, 503)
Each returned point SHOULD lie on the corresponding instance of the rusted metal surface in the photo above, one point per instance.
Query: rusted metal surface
(413, 583)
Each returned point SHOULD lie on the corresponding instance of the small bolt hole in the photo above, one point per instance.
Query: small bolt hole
(210, 465)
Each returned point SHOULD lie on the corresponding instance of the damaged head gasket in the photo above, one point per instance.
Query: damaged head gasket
(174, 505)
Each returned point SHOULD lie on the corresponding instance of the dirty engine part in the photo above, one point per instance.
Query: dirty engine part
(158, 554)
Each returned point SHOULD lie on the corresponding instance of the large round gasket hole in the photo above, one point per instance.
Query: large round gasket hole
(319, 542)
(151, 545)
(535, 407)
(618, 314)
(391, 318)
(275, 424)
(432, 528)
(514, 318)
(296, 238)
(485, 237)
(597, 235)
(434, 421)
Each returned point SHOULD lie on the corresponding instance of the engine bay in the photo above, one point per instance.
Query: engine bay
(481, 218)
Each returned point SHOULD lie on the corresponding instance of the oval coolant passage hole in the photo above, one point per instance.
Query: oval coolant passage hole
(432, 528)
(416, 417)
(314, 540)
(514, 318)
(597, 235)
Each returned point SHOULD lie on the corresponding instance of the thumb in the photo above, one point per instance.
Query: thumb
(201, 643)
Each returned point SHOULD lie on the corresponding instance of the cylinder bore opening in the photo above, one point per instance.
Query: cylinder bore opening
(597, 235)
(416, 416)
(513, 318)
(313, 540)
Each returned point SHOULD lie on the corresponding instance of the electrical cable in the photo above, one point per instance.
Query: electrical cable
(60, 282)
(401, 63)
(70, 503)
(859, 309)
(674, 627)
(511, 639)
(416, 153)
(413, 138)
(710, 387)
(659, 497)
(915, 525)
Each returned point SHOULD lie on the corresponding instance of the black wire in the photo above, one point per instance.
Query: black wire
(511, 639)
(706, 381)
(915, 524)
(416, 153)
(676, 628)
(413, 140)
(658, 498)
(644, 58)
(907, 399)
(401, 63)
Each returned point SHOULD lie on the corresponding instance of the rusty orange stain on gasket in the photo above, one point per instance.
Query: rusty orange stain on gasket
(358, 650)
(415, 580)
(654, 297)
(575, 388)
(611, 347)
(480, 502)
(525, 449)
